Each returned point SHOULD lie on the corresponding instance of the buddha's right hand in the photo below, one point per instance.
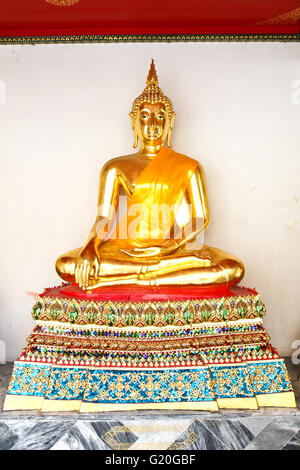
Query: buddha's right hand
(86, 262)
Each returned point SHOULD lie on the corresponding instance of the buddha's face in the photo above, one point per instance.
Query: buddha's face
(153, 123)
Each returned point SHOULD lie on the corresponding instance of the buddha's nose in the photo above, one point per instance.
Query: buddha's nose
(152, 122)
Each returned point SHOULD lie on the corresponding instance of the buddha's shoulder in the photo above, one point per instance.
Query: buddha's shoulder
(198, 167)
(133, 161)
(118, 163)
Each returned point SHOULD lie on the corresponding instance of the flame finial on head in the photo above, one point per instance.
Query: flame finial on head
(152, 94)
(152, 75)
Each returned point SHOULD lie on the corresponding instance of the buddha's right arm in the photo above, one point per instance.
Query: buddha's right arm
(108, 198)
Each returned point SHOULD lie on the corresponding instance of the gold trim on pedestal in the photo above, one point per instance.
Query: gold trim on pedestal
(164, 313)
(18, 402)
(60, 405)
(283, 399)
(22, 402)
(98, 407)
(249, 403)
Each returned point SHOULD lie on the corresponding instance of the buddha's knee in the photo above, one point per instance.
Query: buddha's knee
(61, 265)
(234, 269)
(65, 264)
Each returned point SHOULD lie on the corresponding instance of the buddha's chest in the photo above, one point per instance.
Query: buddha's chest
(129, 177)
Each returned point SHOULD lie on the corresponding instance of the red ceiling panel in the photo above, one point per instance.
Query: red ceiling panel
(46, 18)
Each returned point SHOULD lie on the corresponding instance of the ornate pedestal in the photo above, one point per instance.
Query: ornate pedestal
(148, 348)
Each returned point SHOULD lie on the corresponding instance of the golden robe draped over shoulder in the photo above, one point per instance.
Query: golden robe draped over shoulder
(160, 186)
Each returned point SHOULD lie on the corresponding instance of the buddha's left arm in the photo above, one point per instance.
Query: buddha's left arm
(197, 198)
(197, 194)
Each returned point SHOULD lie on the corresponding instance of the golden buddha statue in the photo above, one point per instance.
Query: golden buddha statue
(151, 254)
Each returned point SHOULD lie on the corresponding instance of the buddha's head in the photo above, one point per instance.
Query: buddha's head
(152, 115)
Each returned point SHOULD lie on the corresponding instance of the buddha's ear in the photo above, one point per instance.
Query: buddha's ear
(132, 119)
(135, 134)
(171, 125)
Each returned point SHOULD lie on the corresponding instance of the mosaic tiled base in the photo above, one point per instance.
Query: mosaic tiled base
(54, 388)
(53, 305)
(119, 356)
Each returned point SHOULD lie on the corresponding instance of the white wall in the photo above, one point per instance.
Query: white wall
(66, 113)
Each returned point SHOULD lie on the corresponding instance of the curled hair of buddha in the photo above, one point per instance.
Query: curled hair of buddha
(152, 94)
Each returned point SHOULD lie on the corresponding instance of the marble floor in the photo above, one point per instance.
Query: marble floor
(269, 428)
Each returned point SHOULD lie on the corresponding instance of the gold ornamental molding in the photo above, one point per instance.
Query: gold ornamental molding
(63, 3)
(117, 38)
(119, 314)
(291, 17)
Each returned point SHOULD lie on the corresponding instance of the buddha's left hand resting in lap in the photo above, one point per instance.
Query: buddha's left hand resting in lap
(155, 250)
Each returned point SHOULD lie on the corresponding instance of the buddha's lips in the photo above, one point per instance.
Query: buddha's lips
(153, 134)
